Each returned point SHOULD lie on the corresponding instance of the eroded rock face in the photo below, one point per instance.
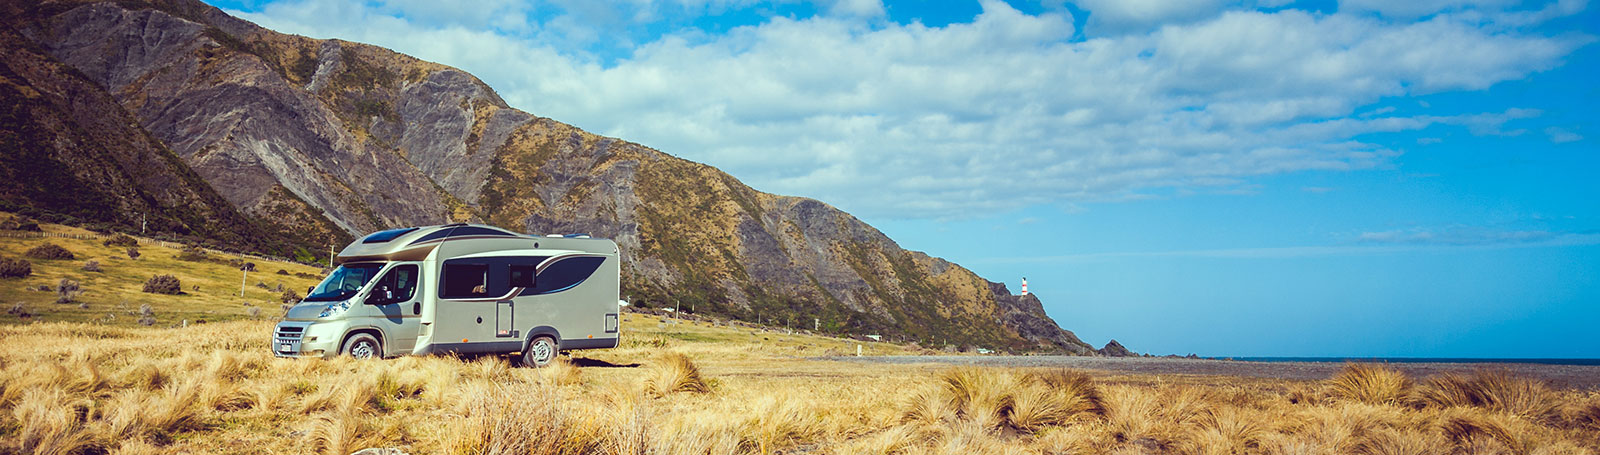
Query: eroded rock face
(333, 138)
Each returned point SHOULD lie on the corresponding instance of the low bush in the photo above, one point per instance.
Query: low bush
(289, 296)
(163, 284)
(91, 266)
(192, 253)
(49, 251)
(133, 253)
(15, 268)
(67, 291)
(18, 223)
(121, 240)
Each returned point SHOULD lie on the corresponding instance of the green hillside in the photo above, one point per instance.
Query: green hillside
(114, 294)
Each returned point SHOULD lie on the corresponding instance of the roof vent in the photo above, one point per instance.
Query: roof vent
(576, 236)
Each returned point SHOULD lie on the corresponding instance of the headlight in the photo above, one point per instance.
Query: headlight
(334, 308)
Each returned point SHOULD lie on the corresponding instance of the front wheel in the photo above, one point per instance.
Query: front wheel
(362, 346)
(540, 352)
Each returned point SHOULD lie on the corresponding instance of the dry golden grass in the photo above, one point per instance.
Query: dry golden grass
(695, 388)
(1371, 384)
(69, 388)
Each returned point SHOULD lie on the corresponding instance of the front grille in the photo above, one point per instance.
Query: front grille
(287, 340)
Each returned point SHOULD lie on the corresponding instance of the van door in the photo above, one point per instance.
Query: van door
(395, 296)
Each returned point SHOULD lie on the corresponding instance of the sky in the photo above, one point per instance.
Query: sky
(1258, 178)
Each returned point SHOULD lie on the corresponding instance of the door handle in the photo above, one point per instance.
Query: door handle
(416, 308)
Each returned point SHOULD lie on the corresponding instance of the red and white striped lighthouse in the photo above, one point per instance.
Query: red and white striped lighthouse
(1024, 285)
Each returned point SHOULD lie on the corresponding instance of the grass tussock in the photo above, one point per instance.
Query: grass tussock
(86, 389)
(1371, 384)
(1024, 402)
(673, 373)
(1496, 390)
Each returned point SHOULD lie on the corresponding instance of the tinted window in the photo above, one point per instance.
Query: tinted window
(439, 234)
(566, 274)
(384, 236)
(344, 282)
(400, 284)
(478, 278)
(522, 275)
(467, 281)
(474, 230)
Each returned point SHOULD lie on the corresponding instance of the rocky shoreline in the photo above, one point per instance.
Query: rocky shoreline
(1580, 377)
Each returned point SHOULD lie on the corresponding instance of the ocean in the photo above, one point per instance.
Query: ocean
(1415, 360)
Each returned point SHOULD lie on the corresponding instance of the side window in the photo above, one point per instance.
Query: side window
(399, 285)
(405, 282)
(522, 275)
(465, 281)
(566, 274)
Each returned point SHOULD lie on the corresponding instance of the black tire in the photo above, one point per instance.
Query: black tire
(362, 346)
(541, 351)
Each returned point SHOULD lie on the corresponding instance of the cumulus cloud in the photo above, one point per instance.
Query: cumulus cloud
(1007, 110)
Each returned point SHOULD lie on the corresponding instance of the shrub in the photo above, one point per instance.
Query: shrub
(19, 311)
(49, 251)
(289, 296)
(66, 291)
(1370, 384)
(121, 240)
(283, 272)
(15, 268)
(133, 253)
(20, 224)
(91, 266)
(163, 284)
(192, 253)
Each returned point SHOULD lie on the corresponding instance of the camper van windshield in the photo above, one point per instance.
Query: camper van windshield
(344, 282)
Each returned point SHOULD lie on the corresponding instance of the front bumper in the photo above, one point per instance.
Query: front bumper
(302, 339)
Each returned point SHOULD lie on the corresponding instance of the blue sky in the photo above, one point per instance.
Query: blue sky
(1259, 178)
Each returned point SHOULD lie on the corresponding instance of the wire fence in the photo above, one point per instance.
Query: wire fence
(142, 241)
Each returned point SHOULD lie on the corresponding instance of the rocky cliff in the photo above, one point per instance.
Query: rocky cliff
(320, 140)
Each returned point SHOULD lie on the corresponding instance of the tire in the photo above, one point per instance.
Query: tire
(540, 352)
(362, 346)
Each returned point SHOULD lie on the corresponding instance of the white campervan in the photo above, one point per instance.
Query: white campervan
(459, 288)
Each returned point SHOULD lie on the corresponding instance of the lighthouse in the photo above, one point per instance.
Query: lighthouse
(1024, 285)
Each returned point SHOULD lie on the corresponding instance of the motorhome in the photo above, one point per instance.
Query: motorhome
(459, 288)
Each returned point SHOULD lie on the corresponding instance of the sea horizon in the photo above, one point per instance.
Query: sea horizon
(1494, 360)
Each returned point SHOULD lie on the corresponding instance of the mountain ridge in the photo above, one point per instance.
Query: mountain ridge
(327, 138)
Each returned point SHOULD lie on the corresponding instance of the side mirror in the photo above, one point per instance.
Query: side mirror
(380, 296)
(309, 289)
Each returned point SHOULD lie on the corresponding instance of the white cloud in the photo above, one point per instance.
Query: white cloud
(1004, 111)
(1561, 135)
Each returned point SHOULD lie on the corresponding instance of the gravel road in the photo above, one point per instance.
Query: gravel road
(1585, 377)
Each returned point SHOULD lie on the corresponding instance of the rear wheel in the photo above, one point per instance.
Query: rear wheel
(540, 352)
(362, 346)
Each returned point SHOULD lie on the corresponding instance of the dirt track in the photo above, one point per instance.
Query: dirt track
(1586, 377)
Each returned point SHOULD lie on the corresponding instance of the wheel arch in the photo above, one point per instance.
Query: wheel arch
(543, 330)
(383, 345)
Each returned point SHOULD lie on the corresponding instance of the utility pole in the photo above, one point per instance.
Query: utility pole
(816, 325)
(243, 279)
(142, 223)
